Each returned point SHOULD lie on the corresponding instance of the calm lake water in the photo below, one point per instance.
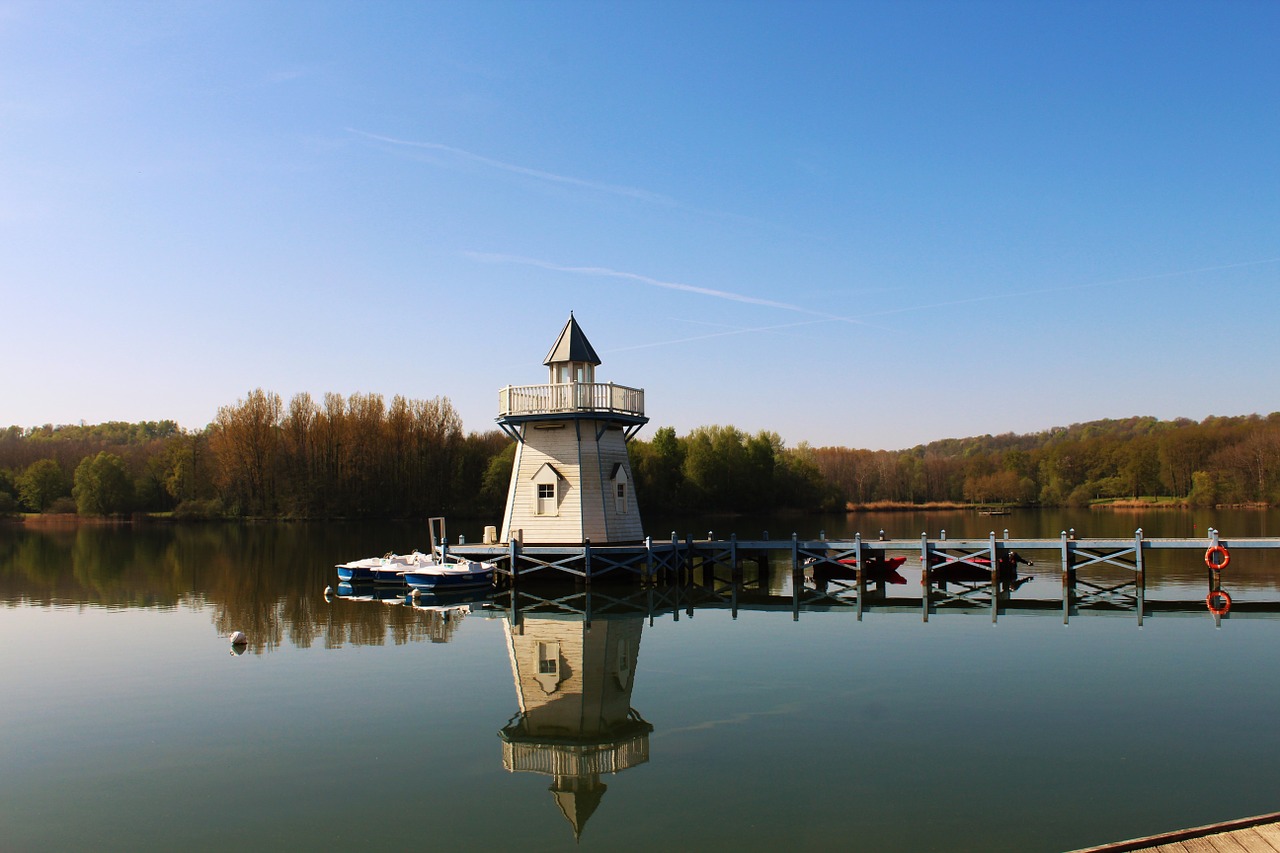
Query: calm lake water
(129, 724)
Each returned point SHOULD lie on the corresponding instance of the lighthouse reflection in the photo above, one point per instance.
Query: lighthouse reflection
(575, 723)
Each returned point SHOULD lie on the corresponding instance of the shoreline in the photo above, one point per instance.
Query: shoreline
(71, 519)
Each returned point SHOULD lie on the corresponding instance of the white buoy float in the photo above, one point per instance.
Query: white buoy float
(239, 639)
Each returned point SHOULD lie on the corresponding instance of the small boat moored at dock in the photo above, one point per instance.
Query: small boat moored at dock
(388, 568)
(450, 575)
(357, 571)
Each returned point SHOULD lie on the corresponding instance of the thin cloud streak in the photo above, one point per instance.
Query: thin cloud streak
(824, 317)
(932, 305)
(605, 272)
(615, 189)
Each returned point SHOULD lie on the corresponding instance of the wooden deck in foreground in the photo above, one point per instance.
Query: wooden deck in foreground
(1259, 834)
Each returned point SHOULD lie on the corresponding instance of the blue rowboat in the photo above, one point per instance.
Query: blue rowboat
(358, 571)
(385, 569)
(451, 575)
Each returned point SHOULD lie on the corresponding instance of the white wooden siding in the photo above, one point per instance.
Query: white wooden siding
(587, 507)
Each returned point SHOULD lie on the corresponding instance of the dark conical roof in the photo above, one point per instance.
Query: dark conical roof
(578, 799)
(572, 345)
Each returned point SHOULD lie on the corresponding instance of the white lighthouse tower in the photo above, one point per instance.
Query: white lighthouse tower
(571, 481)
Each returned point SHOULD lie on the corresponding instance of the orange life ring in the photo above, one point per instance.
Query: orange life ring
(1226, 602)
(1217, 549)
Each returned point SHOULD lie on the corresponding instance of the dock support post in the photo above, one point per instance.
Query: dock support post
(688, 539)
(797, 578)
(676, 561)
(995, 577)
(1068, 579)
(1140, 578)
(586, 596)
(648, 562)
(861, 573)
(735, 571)
(674, 571)
(925, 559)
(513, 549)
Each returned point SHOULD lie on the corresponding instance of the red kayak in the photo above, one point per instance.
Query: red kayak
(880, 570)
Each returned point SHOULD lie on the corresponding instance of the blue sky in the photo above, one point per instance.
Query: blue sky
(864, 224)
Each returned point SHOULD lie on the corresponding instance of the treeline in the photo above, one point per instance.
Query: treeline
(359, 457)
(353, 457)
(722, 469)
(1220, 460)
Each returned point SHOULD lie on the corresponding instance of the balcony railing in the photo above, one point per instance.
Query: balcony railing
(570, 397)
(573, 760)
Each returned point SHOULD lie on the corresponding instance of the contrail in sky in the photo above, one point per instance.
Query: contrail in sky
(653, 282)
(823, 316)
(629, 192)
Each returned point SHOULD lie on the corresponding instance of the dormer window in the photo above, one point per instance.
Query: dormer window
(549, 674)
(546, 489)
(620, 488)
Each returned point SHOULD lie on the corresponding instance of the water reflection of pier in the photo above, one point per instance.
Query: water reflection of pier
(870, 592)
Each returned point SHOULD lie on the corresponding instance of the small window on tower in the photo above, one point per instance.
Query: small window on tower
(546, 498)
(548, 658)
(621, 497)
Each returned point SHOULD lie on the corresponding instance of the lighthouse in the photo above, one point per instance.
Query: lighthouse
(571, 481)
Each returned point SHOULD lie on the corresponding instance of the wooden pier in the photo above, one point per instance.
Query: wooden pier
(1260, 834)
(1099, 575)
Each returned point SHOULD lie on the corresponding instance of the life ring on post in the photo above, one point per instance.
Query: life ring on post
(1217, 549)
(1221, 608)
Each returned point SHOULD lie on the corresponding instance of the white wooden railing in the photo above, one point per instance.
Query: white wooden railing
(570, 760)
(570, 397)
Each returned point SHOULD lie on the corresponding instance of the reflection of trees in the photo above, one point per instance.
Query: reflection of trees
(265, 580)
(86, 565)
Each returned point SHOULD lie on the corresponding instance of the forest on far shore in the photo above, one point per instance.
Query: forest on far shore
(361, 457)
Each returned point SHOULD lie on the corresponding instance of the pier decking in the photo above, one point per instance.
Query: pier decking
(1259, 834)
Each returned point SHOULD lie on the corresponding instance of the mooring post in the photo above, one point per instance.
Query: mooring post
(925, 556)
(648, 561)
(586, 562)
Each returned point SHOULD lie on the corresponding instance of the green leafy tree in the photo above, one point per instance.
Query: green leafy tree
(41, 484)
(102, 485)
